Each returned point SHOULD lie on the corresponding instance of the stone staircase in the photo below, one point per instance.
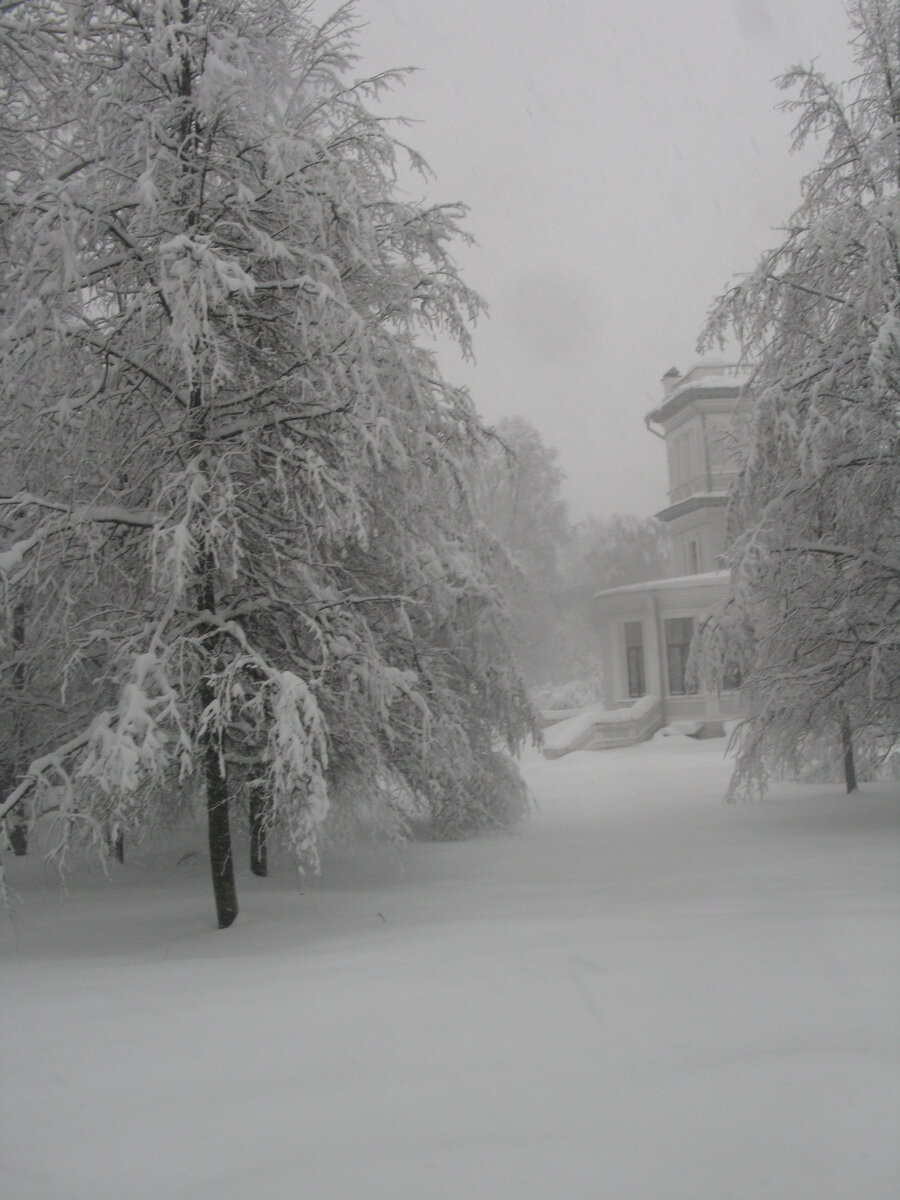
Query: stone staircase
(597, 728)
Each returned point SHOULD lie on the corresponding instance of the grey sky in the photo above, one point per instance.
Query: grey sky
(622, 160)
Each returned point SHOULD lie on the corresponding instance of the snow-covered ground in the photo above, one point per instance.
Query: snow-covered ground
(642, 994)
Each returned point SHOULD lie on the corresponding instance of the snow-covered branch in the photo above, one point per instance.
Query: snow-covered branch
(67, 517)
(210, 336)
(816, 553)
(51, 765)
(857, 554)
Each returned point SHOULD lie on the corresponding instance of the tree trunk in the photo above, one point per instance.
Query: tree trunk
(259, 862)
(116, 847)
(221, 859)
(16, 825)
(220, 856)
(849, 762)
(17, 832)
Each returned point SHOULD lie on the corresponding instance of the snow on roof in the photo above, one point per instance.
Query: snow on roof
(710, 381)
(700, 378)
(706, 579)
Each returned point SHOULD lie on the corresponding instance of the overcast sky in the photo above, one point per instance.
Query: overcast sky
(623, 160)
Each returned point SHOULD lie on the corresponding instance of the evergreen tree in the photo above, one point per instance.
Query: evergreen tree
(230, 473)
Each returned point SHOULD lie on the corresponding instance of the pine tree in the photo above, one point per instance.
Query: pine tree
(231, 468)
(813, 625)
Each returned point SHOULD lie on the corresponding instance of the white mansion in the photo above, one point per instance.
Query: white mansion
(646, 629)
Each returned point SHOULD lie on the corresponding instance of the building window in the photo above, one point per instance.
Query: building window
(679, 635)
(692, 557)
(634, 658)
(684, 467)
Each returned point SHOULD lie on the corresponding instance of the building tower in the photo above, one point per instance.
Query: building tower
(698, 419)
(646, 629)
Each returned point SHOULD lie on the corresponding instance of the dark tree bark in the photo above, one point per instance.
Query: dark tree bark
(259, 861)
(17, 832)
(220, 855)
(221, 859)
(16, 826)
(849, 761)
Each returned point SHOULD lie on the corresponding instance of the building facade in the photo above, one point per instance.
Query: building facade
(646, 629)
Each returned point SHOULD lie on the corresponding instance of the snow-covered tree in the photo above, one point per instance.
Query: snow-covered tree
(604, 552)
(814, 625)
(233, 486)
(607, 552)
(518, 486)
(553, 568)
(519, 493)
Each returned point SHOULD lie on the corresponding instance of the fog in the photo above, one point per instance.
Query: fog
(623, 161)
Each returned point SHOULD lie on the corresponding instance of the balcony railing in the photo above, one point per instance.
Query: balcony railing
(711, 371)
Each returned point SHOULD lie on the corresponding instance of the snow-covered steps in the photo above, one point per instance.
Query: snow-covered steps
(599, 728)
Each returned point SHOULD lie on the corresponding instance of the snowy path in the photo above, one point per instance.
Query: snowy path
(642, 995)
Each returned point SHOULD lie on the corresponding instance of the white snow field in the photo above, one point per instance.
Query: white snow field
(642, 994)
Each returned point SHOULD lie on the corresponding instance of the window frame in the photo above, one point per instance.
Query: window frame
(635, 660)
(677, 652)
